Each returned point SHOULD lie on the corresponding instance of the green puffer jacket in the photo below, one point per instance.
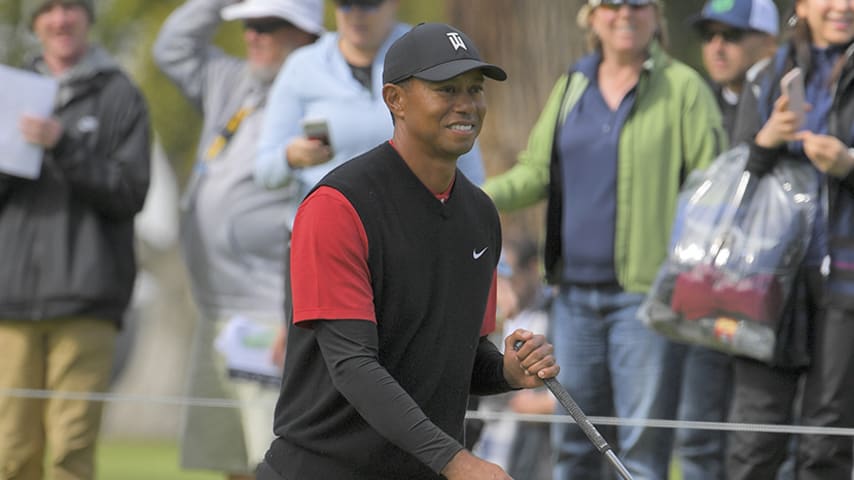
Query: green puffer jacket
(673, 128)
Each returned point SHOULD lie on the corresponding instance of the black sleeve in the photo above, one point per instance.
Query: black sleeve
(761, 160)
(848, 182)
(350, 350)
(487, 377)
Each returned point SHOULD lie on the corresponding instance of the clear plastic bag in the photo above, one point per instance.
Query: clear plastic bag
(736, 246)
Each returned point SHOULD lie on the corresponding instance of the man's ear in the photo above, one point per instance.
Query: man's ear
(395, 99)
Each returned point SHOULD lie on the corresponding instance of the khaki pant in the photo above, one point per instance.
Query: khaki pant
(222, 439)
(71, 355)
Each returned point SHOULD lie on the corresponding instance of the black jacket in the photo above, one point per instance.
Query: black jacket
(810, 290)
(67, 237)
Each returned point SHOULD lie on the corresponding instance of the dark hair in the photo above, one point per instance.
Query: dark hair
(800, 38)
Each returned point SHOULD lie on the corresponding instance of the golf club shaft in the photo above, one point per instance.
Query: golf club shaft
(586, 426)
(583, 422)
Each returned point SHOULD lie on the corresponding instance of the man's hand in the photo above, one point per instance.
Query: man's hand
(534, 361)
(304, 152)
(44, 132)
(827, 153)
(465, 466)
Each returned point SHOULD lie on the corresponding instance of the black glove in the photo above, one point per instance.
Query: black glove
(762, 160)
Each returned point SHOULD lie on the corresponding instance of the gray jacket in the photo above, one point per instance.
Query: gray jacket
(234, 233)
(67, 237)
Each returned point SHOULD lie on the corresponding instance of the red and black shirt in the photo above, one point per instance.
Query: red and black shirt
(371, 243)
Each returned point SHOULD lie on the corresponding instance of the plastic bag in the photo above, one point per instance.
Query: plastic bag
(736, 246)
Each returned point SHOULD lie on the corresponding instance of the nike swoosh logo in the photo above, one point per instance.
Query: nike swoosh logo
(475, 254)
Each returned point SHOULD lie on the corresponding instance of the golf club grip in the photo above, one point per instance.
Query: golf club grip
(582, 421)
(574, 410)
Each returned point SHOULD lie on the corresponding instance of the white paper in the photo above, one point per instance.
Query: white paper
(22, 92)
(246, 347)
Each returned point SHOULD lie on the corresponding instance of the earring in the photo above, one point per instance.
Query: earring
(793, 20)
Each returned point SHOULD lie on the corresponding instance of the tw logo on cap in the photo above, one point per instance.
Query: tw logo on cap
(456, 41)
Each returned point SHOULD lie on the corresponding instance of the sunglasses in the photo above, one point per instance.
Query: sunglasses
(634, 4)
(266, 26)
(729, 35)
(363, 5)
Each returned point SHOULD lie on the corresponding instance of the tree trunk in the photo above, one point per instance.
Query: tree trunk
(534, 41)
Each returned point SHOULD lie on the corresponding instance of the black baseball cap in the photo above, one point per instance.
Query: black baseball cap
(434, 52)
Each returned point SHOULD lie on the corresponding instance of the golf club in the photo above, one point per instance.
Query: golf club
(580, 418)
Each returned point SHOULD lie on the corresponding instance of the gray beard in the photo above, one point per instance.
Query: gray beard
(264, 75)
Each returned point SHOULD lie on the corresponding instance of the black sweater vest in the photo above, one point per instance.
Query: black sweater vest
(431, 266)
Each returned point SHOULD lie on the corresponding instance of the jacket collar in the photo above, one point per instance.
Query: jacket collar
(78, 79)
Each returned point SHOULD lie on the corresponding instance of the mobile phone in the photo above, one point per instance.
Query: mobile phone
(792, 84)
(316, 129)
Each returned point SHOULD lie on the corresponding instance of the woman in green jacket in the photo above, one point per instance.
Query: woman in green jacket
(619, 133)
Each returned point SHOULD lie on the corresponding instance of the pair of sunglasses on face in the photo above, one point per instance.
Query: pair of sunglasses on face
(365, 5)
(729, 35)
(266, 26)
(616, 4)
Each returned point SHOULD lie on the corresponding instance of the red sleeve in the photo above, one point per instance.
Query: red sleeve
(489, 315)
(329, 261)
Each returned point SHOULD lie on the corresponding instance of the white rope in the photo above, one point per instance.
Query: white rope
(680, 424)
(181, 401)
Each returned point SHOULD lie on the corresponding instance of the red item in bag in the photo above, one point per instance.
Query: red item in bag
(693, 296)
(706, 292)
(758, 297)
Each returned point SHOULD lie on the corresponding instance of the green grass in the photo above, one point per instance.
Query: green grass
(158, 460)
(144, 460)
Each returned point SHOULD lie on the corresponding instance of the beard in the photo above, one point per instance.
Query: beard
(264, 74)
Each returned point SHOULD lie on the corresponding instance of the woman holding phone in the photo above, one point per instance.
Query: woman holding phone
(776, 126)
(333, 89)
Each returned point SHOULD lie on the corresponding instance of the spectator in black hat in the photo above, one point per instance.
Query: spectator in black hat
(393, 263)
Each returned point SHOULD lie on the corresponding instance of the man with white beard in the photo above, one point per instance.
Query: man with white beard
(234, 233)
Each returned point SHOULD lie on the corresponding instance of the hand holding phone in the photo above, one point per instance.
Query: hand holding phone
(792, 85)
(316, 129)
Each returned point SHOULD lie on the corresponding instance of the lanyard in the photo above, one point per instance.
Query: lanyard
(221, 140)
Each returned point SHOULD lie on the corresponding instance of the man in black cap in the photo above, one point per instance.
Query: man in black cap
(393, 279)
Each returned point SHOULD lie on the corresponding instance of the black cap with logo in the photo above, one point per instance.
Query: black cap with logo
(434, 52)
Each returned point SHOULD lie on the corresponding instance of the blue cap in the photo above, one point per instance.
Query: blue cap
(757, 15)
